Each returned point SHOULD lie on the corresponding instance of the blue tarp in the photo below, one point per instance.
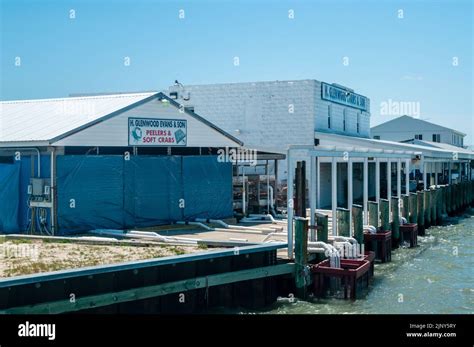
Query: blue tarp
(89, 192)
(109, 192)
(14, 181)
(207, 188)
(9, 197)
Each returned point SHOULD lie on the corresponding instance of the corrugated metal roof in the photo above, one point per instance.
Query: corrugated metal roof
(46, 119)
(441, 145)
(426, 148)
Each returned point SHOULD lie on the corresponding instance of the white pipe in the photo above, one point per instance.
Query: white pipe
(316, 250)
(204, 226)
(370, 229)
(236, 227)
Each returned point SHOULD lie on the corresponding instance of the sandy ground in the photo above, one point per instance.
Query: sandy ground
(22, 257)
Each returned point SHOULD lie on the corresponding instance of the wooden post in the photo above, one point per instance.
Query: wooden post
(448, 199)
(433, 202)
(301, 256)
(427, 207)
(300, 175)
(374, 216)
(384, 215)
(420, 202)
(358, 223)
(343, 222)
(395, 221)
(322, 220)
(413, 208)
(406, 207)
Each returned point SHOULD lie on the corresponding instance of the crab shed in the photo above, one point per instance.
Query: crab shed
(116, 161)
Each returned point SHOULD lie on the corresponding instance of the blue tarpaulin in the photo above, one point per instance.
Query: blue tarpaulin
(108, 192)
(14, 180)
(9, 197)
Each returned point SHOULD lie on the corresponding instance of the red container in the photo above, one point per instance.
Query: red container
(381, 244)
(352, 276)
(409, 232)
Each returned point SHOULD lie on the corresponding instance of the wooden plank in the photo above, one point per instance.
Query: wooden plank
(100, 300)
(385, 214)
(343, 224)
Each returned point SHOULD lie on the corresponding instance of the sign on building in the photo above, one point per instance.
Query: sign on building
(157, 132)
(342, 96)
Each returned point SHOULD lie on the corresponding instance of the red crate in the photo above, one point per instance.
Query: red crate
(409, 232)
(380, 243)
(351, 277)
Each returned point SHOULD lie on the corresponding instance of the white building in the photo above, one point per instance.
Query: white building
(406, 128)
(270, 116)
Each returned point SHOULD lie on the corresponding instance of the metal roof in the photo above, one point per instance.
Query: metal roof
(415, 120)
(425, 149)
(44, 121)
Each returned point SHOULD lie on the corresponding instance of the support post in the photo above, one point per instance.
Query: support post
(407, 176)
(420, 199)
(374, 216)
(290, 205)
(427, 206)
(323, 226)
(389, 185)
(350, 194)
(301, 256)
(399, 178)
(334, 195)
(343, 221)
(358, 224)
(425, 168)
(395, 222)
(312, 195)
(413, 203)
(406, 207)
(377, 179)
(366, 190)
(385, 214)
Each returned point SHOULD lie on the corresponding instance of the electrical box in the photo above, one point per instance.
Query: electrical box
(39, 189)
(37, 186)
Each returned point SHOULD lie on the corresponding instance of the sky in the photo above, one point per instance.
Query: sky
(409, 57)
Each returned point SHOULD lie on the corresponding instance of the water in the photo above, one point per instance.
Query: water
(435, 277)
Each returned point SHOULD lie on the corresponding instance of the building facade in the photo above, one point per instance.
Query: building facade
(407, 128)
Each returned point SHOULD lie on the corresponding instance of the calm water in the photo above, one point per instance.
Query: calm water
(431, 278)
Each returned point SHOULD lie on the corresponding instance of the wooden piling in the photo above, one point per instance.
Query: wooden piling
(384, 215)
(343, 222)
(420, 202)
(427, 207)
(413, 208)
(433, 198)
(406, 207)
(395, 222)
(301, 256)
(358, 223)
(374, 216)
(322, 221)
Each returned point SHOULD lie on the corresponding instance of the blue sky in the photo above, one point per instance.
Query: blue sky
(403, 60)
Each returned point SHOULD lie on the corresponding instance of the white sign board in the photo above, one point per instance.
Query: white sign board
(157, 132)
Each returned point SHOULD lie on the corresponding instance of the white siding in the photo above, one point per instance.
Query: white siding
(114, 131)
(405, 128)
(259, 113)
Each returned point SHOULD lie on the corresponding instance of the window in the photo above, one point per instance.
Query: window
(329, 116)
(418, 137)
(462, 142)
(376, 137)
(344, 120)
(358, 124)
(436, 138)
(189, 108)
